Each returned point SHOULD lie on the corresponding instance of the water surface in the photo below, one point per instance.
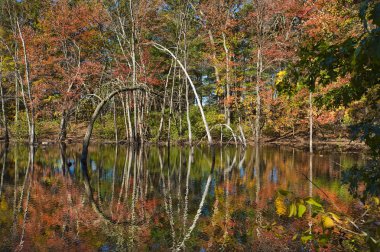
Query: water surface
(155, 198)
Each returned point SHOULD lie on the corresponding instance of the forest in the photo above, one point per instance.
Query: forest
(242, 73)
(189, 70)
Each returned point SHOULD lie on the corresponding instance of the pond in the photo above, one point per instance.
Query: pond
(158, 198)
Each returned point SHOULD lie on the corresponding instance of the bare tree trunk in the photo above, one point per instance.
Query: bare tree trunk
(129, 117)
(31, 117)
(171, 99)
(125, 116)
(5, 121)
(187, 86)
(258, 98)
(63, 126)
(134, 73)
(17, 102)
(115, 121)
(162, 48)
(311, 122)
(215, 64)
(87, 137)
(227, 105)
(164, 102)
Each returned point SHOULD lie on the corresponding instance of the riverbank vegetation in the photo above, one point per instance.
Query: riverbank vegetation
(212, 70)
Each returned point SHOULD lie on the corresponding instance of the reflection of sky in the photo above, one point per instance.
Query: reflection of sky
(273, 176)
(93, 165)
(71, 166)
(242, 171)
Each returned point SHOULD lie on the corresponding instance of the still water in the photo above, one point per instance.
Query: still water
(155, 198)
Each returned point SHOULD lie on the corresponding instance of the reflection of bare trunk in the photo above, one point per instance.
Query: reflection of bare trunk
(189, 162)
(2, 172)
(132, 227)
(62, 148)
(123, 181)
(29, 175)
(257, 172)
(310, 187)
(113, 177)
(131, 156)
(14, 226)
(90, 195)
(181, 244)
(167, 198)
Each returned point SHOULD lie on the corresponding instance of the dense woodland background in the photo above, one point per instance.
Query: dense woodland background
(260, 68)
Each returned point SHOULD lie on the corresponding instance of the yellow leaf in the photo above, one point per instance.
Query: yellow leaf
(327, 222)
(280, 205)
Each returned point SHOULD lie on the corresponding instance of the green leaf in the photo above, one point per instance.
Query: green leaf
(293, 210)
(294, 237)
(311, 201)
(283, 192)
(306, 238)
(301, 210)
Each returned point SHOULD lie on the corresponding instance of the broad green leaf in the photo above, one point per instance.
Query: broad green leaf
(293, 210)
(311, 201)
(301, 210)
(306, 238)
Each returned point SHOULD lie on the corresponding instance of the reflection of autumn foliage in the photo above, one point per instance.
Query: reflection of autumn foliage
(238, 212)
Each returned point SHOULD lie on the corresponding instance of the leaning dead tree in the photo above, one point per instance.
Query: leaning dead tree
(166, 50)
(95, 114)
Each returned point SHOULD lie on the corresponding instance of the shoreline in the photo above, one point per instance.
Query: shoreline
(340, 145)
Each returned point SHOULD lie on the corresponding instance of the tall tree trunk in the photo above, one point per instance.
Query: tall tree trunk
(134, 74)
(188, 114)
(227, 102)
(186, 84)
(127, 100)
(311, 122)
(87, 137)
(63, 126)
(29, 89)
(5, 121)
(162, 48)
(115, 121)
(125, 116)
(17, 102)
(171, 101)
(259, 66)
(164, 102)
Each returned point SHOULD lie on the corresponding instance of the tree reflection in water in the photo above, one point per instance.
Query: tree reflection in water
(155, 198)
